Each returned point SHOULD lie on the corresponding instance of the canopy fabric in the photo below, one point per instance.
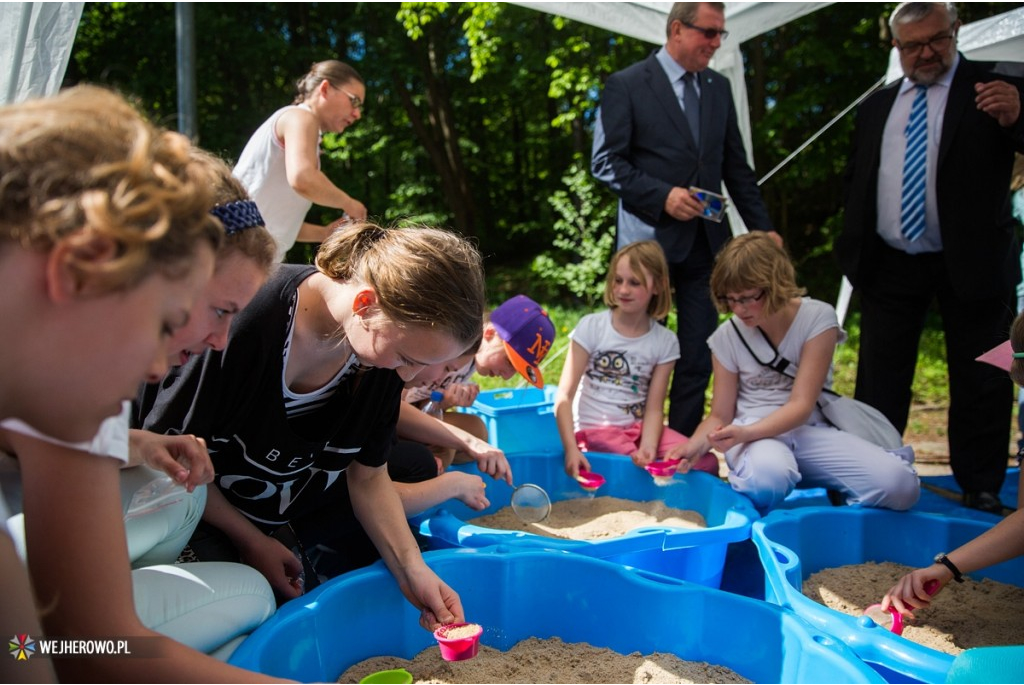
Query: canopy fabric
(35, 45)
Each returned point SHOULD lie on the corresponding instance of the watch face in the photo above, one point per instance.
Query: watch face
(938, 558)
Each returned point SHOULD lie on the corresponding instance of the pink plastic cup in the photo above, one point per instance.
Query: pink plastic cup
(459, 641)
(891, 619)
(663, 470)
(590, 481)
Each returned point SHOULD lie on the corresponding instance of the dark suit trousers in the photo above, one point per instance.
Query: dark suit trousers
(894, 302)
(696, 320)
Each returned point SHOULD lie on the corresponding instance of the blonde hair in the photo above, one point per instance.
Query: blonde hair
(254, 243)
(334, 72)
(754, 260)
(644, 257)
(422, 276)
(84, 164)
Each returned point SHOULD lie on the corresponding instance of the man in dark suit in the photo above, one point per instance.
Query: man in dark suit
(937, 226)
(667, 124)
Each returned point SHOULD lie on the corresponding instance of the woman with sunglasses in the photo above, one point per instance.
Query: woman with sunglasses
(764, 415)
(280, 165)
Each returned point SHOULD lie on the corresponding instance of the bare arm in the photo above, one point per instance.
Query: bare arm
(265, 554)
(815, 358)
(575, 363)
(654, 415)
(414, 425)
(86, 599)
(301, 134)
(377, 506)
(19, 617)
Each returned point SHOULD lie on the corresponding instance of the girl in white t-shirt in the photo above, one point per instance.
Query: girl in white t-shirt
(766, 422)
(611, 395)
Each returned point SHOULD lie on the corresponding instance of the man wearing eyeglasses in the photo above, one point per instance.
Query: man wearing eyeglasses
(928, 219)
(668, 124)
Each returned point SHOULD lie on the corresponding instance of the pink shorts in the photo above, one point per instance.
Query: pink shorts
(626, 439)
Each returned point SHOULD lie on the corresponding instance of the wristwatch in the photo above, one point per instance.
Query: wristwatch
(941, 558)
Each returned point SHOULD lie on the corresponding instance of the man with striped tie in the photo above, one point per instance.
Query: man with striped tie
(927, 219)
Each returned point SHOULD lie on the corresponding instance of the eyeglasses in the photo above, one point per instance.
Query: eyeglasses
(937, 44)
(356, 102)
(741, 301)
(710, 34)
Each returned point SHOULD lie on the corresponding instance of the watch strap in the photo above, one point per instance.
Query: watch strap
(945, 561)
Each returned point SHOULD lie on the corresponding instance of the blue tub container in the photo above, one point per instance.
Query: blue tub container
(519, 421)
(796, 544)
(517, 594)
(694, 554)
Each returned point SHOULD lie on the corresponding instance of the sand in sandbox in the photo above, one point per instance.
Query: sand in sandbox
(547, 661)
(595, 518)
(963, 615)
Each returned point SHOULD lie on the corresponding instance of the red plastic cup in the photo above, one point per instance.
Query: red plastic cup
(590, 481)
(459, 641)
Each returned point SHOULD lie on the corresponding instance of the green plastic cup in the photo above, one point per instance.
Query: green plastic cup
(395, 675)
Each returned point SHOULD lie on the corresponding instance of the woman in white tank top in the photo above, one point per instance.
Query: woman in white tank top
(280, 165)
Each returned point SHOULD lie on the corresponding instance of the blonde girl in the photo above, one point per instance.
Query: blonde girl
(302, 406)
(766, 422)
(280, 165)
(612, 391)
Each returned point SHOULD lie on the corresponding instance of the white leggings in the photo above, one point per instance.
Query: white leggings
(822, 456)
(159, 517)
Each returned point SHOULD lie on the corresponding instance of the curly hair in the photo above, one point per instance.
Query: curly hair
(85, 163)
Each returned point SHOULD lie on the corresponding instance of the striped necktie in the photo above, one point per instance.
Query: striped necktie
(915, 168)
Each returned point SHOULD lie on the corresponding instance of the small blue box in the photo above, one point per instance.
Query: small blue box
(520, 420)
(515, 595)
(694, 554)
(795, 544)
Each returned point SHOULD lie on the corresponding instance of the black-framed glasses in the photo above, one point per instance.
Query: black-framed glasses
(708, 33)
(937, 44)
(355, 100)
(741, 301)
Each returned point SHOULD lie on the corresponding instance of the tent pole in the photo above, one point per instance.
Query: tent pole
(822, 130)
(184, 23)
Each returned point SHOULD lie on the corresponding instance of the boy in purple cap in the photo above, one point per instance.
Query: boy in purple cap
(516, 337)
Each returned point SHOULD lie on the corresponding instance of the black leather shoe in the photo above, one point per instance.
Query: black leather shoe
(983, 501)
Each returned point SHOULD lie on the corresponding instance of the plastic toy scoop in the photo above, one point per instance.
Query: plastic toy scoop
(394, 675)
(530, 503)
(459, 641)
(590, 481)
(891, 619)
(663, 470)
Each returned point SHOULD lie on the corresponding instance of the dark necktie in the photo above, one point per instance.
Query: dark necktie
(915, 168)
(691, 105)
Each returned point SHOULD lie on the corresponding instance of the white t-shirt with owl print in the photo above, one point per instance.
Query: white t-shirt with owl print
(613, 389)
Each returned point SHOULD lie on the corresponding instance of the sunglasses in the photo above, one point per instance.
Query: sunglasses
(710, 34)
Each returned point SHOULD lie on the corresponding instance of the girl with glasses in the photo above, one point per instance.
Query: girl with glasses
(280, 165)
(764, 415)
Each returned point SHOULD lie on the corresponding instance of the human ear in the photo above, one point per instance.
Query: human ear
(70, 260)
(363, 301)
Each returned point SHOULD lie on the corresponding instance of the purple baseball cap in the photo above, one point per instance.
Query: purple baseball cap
(527, 333)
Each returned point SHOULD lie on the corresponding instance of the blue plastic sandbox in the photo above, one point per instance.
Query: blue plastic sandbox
(519, 594)
(797, 543)
(694, 554)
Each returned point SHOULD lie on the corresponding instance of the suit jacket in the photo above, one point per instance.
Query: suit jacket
(972, 188)
(647, 148)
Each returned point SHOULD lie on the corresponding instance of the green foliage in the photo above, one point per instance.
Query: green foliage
(584, 238)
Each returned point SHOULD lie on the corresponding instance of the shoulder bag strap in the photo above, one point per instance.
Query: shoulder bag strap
(778, 362)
